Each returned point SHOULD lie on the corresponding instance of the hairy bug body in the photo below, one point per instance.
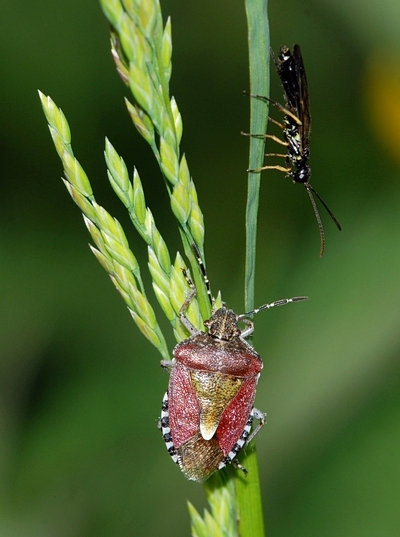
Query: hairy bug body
(208, 411)
(210, 396)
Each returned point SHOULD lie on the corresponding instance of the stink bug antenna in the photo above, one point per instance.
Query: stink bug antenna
(281, 302)
(203, 272)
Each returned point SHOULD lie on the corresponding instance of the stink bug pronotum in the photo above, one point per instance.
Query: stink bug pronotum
(207, 411)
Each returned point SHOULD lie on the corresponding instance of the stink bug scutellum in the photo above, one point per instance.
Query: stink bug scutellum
(296, 127)
(207, 411)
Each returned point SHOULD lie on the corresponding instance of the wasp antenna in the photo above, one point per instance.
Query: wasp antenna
(203, 271)
(327, 209)
(310, 190)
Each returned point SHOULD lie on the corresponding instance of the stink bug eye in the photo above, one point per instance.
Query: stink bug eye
(207, 411)
(296, 127)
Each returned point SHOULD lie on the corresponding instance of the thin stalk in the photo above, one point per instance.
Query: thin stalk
(248, 493)
(258, 37)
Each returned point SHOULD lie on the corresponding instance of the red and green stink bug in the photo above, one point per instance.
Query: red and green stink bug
(207, 411)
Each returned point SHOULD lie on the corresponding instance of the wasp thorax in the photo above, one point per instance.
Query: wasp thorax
(223, 324)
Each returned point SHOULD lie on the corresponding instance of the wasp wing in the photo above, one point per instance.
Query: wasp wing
(286, 69)
(302, 99)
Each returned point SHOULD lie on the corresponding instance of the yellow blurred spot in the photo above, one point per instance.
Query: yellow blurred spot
(382, 91)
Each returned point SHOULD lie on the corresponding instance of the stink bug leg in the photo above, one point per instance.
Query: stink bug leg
(208, 409)
(182, 317)
(260, 416)
(168, 364)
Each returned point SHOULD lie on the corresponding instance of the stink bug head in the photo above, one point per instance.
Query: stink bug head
(208, 411)
(223, 324)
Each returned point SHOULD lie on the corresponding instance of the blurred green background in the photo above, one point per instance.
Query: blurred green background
(80, 388)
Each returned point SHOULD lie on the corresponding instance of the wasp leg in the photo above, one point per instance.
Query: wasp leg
(272, 120)
(275, 155)
(277, 167)
(270, 136)
(275, 103)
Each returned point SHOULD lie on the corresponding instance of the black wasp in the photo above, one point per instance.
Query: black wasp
(296, 127)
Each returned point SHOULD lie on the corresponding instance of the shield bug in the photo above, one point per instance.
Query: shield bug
(207, 411)
(296, 127)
